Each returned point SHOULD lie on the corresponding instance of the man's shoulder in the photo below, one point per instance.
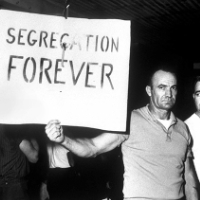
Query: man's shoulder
(191, 119)
(180, 122)
(139, 114)
(139, 110)
(183, 129)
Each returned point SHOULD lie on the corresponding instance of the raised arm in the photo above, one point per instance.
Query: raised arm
(83, 147)
(30, 149)
(192, 183)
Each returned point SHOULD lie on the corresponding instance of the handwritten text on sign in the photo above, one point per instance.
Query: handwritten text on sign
(74, 70)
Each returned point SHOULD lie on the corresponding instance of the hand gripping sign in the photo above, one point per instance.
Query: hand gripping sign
(74, 70)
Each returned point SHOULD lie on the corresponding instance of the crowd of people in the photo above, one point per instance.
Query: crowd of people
(158, 156)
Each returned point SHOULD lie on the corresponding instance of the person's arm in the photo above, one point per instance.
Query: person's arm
(30, 149)
(84, 147)
(92, 147)
(192, 183)
(44, 194)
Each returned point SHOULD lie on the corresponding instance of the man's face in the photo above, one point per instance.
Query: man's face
(163, 90)
(196, 95)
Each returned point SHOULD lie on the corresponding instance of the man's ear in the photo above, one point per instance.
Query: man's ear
(148, 90)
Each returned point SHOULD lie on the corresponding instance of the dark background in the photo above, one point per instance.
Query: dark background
(160, 29)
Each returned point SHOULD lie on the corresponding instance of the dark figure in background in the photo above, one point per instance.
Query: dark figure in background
(157, 154)
(100, 177)
(60, 178)
(193, 123)
(16, 151)
(74, 178)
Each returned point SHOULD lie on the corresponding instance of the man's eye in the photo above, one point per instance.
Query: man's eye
(197, 94)
(174, 88)
(161, 87)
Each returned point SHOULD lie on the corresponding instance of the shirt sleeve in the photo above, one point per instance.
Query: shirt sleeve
(59, 157)
(189, 150)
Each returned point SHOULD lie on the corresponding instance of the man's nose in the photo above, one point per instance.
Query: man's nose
(168, 92)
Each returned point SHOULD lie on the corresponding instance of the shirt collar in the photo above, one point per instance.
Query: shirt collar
(172, 116)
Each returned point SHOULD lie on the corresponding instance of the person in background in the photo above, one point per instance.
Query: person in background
(16, 151)
(60, 177)
(193, 123)
(157, 153)
(74, 178)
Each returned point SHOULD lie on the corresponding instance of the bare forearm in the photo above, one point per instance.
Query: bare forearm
(80, 147)
(83, 147)
(95, 146)
(30, 150)
(33, 156)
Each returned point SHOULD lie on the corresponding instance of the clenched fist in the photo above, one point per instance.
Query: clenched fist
(54, 131)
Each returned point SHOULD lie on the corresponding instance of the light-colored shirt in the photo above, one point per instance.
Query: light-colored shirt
(193, 123)
(58, 156)
(154, 157)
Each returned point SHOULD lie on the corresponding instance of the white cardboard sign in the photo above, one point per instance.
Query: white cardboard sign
(75, 70)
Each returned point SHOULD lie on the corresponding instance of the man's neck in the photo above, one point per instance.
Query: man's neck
(159, 113)
(198, 113)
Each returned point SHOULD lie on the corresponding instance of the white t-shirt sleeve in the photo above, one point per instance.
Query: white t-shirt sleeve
(58, 156)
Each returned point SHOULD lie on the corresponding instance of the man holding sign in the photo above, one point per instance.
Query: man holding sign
(157, 153)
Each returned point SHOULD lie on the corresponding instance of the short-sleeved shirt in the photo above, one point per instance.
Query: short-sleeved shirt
(193, 123)
(58, 156)
(154, 157)
(13, 163)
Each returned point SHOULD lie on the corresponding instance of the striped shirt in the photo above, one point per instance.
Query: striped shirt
(13, 163)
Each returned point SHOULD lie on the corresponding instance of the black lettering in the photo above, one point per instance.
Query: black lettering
(52, 40)
(21, 36)
(57, 69)
(33, 72)
(12, 36)
(116, 45)
(96, 44)
(106, 74)
(43, 37)
(46, 70)
(64, 42)
(88, 72)
(88, 40)
(75, 43)
(106, 39)
(31, 42)
(10, 66)
(75, 79)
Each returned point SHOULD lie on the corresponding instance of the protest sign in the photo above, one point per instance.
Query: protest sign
(75, 70)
